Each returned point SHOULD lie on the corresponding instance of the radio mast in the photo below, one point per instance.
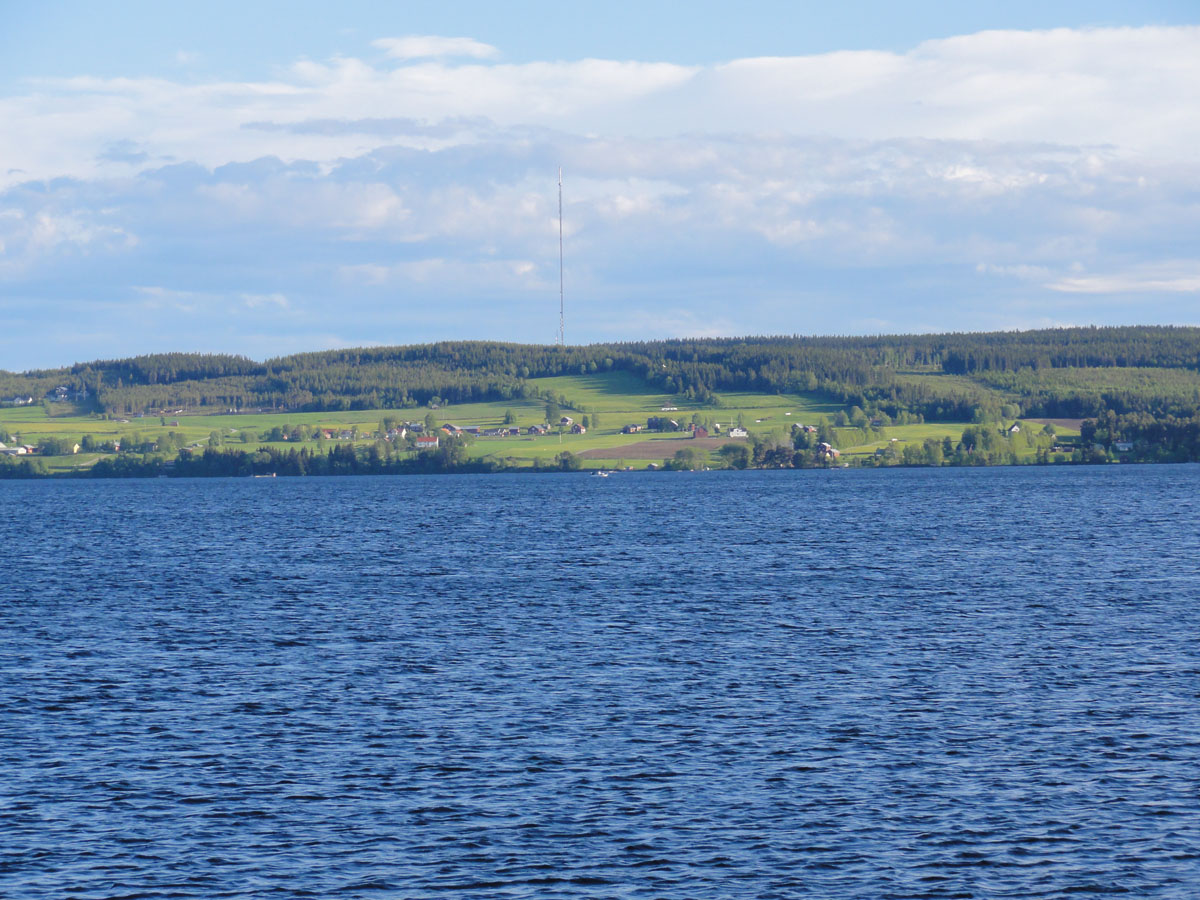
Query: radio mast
(561, 306)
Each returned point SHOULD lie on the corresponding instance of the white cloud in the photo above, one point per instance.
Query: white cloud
(43, 233)
(1119, 88)
(425, 46)
(1136, 282)
(1062, 165)
(49, 231)
(494, 275)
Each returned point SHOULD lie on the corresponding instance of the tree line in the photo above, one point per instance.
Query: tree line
(1147, 369)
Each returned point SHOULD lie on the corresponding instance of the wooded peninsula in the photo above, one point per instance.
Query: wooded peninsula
(1056, 396)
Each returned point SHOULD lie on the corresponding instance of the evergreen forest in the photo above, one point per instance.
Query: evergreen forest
(1137, 384)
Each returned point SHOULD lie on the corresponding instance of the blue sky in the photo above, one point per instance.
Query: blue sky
(272, 177)
(245, 40)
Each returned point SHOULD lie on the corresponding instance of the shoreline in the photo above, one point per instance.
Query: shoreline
(163, 472)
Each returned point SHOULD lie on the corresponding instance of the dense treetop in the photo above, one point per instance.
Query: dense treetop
(1147, 369)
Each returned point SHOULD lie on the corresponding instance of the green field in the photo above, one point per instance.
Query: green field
(900, 435)
(22, 414)
(616, 399)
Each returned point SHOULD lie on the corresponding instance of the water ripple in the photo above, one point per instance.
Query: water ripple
(917, 684)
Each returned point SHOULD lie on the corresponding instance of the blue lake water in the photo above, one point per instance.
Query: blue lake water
(846, 684)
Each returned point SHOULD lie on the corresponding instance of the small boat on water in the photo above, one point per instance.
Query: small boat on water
(600, 474)
(269, 475)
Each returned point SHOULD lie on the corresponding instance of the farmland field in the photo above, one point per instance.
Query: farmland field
(613, 399)
(609, 400)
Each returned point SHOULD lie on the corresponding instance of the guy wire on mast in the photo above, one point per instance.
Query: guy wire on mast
(561, 307)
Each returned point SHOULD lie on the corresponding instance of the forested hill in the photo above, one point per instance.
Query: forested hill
(1075, 372)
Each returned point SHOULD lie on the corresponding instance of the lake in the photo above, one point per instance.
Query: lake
(830, 684)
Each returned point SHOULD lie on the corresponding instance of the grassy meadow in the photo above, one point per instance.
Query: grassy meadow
(898, 436)
(612, 399)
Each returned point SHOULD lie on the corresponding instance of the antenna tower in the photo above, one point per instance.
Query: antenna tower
(561, 306)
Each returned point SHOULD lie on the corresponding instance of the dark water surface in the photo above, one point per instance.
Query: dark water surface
(921, 683)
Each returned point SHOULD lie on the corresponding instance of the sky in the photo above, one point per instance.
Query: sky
(278, 177)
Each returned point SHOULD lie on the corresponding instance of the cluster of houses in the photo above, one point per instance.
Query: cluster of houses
(22, 450)
(60, 394)
(506, 431)
(431, 441)
(30, 449)
(511, 430)
(425, 441)
(696, 431)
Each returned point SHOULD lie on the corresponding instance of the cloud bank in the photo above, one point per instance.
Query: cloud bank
(994, 180)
